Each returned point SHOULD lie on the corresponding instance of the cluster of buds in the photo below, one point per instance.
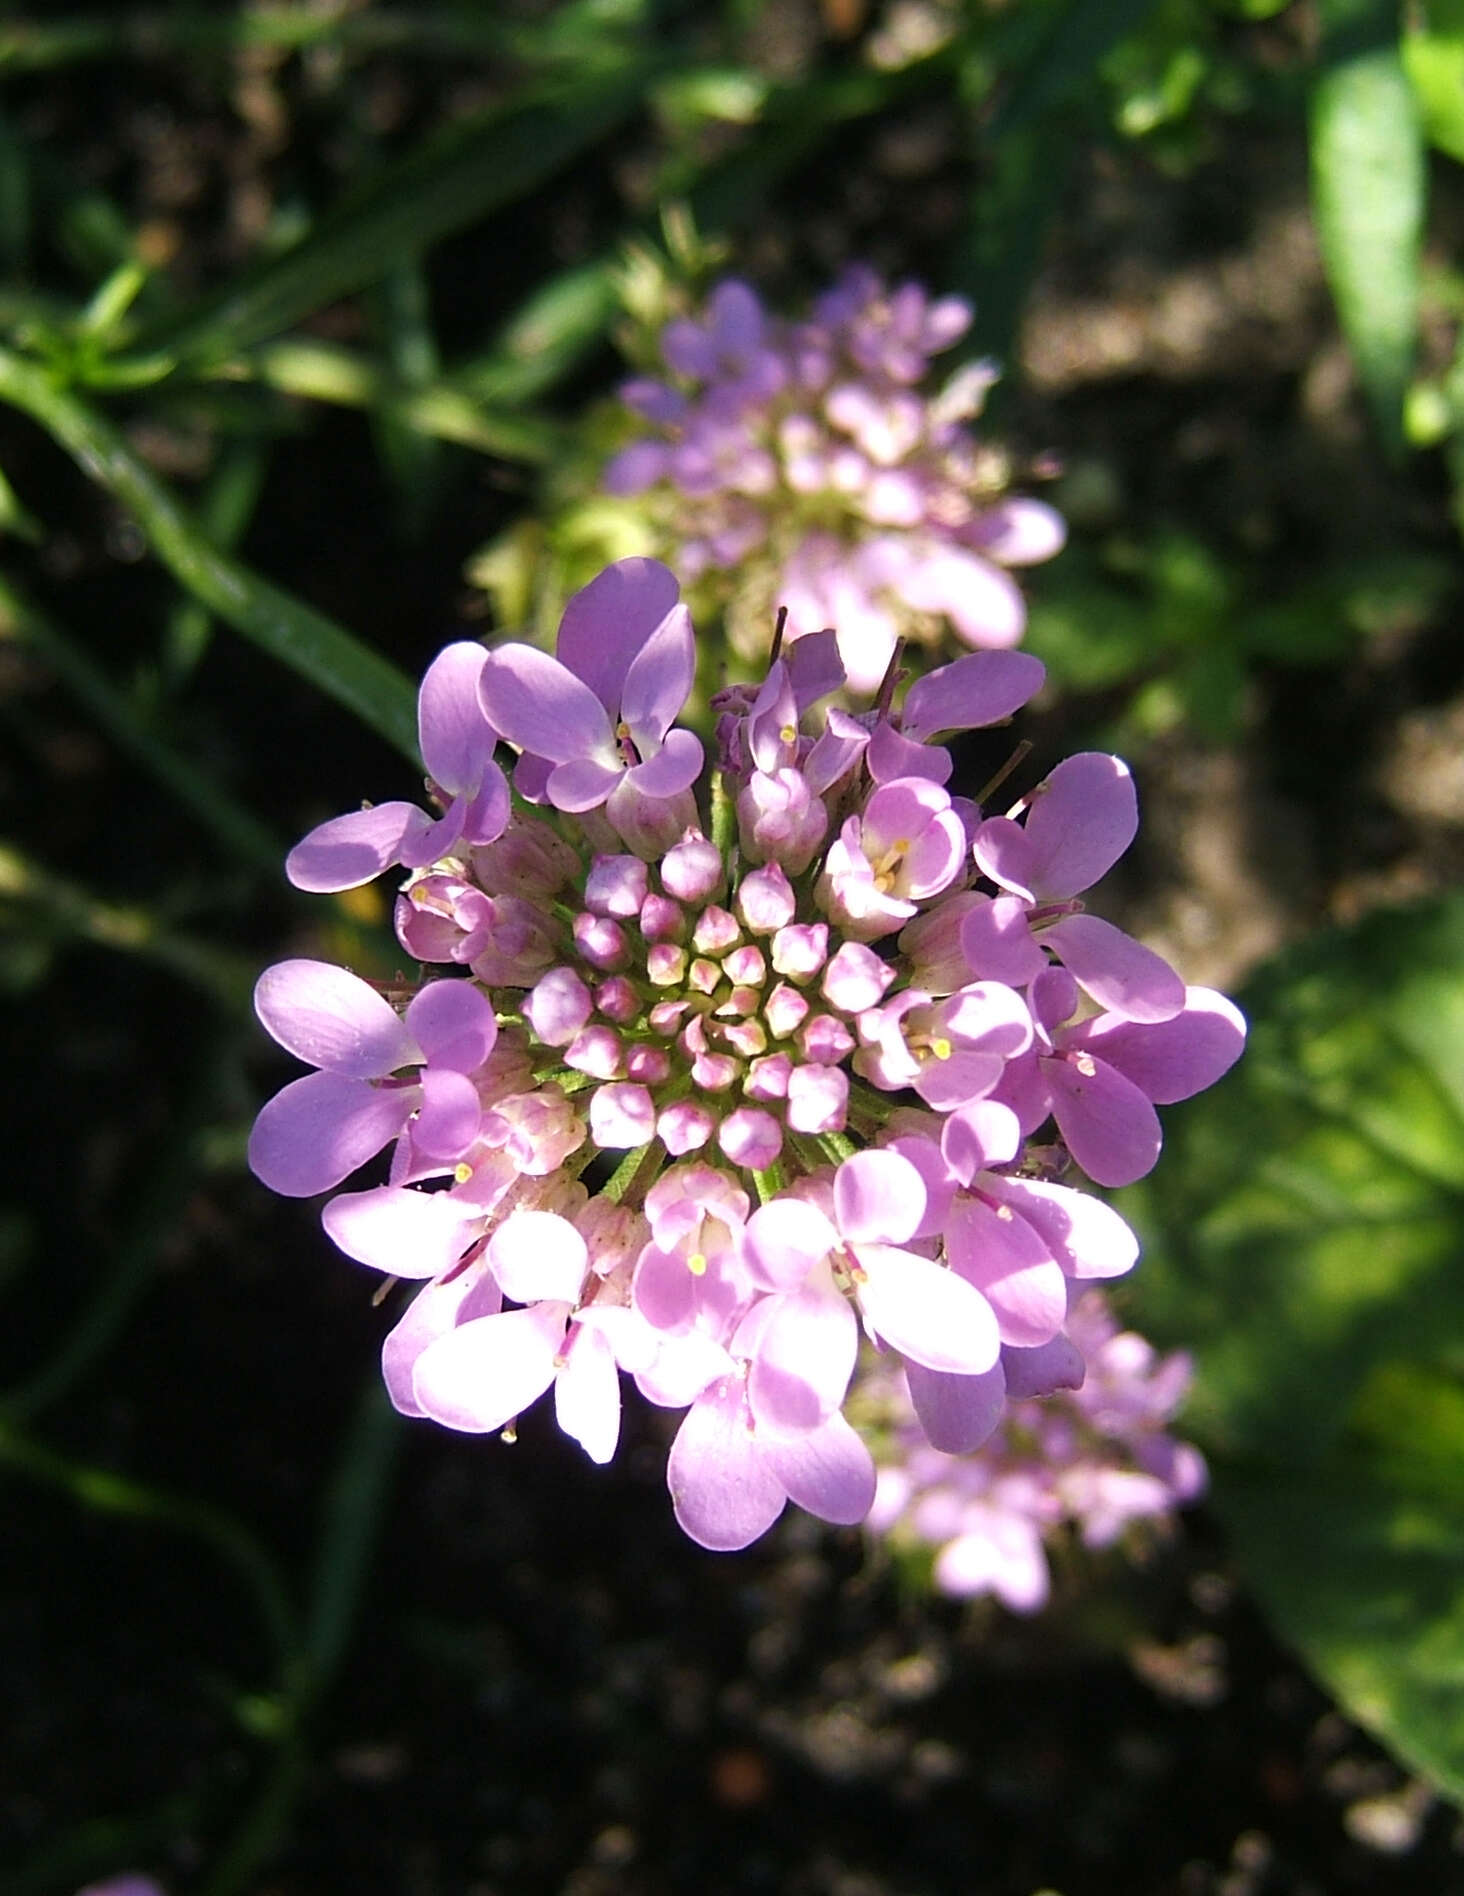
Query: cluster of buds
(808, 455)
(1093, 1458)
(707, 1090)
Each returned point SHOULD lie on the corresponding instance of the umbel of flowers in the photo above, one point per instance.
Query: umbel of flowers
(1095, 1459)
(700, 1091)
(806, 463)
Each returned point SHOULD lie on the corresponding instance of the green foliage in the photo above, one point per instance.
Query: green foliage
(1305, 1230)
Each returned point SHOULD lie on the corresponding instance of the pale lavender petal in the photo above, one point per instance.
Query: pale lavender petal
(352, 849)
(673, 768)
(981, 689)
(998, 944)
(439, 839)
(1007, 1261)
(480, 1375)
(541, 706)
(1002, 1556)
(724, 1493)
(587, 1395)
(1043, 1371)
(783, 1241)
(1021, 532)
(936, 1177)
(828, 1470)
(536, 1255)
(485, 816)
(431, 1312)
(1120, 973)
(450, 1115)
(957, 1413)
(958, 1077)
(1106, 1122)
(622, 1115)
(979, 1135)
(1176, 1058)
(1081, 820)
(583, 784)
(803, 1348)
(331, 1018)
(455, 738)
(454, 1024)
(402, 1232)
(659, 680)
(981, 601)
(1003, 852)
(607, 622)
(878, 1195)
(315, 1133)
(890, 754)
(926, 1312)
(813, 666)
(1087, 1237)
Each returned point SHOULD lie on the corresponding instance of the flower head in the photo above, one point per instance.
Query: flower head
(811, 450)
(704, 1082)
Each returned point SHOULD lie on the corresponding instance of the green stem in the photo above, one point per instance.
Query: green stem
(290, 631)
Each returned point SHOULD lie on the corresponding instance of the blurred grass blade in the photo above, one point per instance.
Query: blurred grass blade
(448, 410)
(458, 177)
(227, 507)
(558, 325)
(412, 459)
(350, 1523)
(1433, 58)
(1369, 186)
(60, 908)
(111, 1493)
(290, 631)
(215, 809)
(1078, 37)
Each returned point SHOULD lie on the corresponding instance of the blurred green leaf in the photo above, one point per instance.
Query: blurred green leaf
(1369, 186)
(290, 631)
(1304, 1234)
(1433, 58)
(476, 166)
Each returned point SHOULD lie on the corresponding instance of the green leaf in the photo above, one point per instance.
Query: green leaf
(1369, 186)
(1305, 1232)
(1433, 58)
(475, 167)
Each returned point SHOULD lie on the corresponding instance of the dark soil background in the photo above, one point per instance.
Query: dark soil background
(545, 1687)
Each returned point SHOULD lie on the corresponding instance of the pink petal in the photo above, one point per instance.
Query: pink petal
(879, 1196)
(1003, 853)
(979, 690)
(538, 1254)
(352, 849)
(1043, 1371)
(1120, 973)
(587, 1395)
(983, 604)
(673, 768)
(659, 680)
(722, 1488)
(582, 784)
(607, 622)
(1080, 822)
(480, 1375)
(783, 1241)
(1086, 1236)
(315, 1133)
(1106, 1122)
(1175, 1058)
(454, 1024)
(996, 941)
(1021, 532)
(957, 1413)
(450, 1114)
(332, 1019)
(803, 1348)
(432, 1312)
(981, 1134)
(402, 1232)
(828, 1470)
(455, 738)
(926, 1312)
(541, 707)
(1005, 1258)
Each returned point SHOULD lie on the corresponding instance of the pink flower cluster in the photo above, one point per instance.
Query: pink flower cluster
(704, 1091)
(1093, 1457)
(811, 448)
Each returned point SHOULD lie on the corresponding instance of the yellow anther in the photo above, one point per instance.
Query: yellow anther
(941, 1048)
(696, 1263)
(1084, 1063)
(461, 1172)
